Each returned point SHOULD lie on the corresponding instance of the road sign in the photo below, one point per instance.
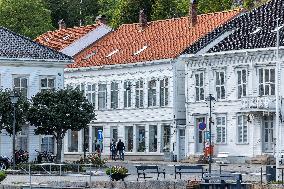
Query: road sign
(202, 126)
(100, 134)
(207, 135)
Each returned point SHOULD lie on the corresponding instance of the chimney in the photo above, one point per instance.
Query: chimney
(142, 19)
(101, 19)
(61, 24)
(192, 13)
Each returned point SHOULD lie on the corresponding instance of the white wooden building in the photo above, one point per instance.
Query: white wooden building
(236, 64)
(28, 67)
(132, 77)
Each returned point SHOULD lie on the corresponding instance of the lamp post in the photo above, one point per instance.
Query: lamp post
(210, 99)
(14, 97)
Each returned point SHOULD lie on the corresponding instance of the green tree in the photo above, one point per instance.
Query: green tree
(127, 11)
(56, 112)
(69, 11)
(27, 17)
(108, 7)
(163, 9)
(7, 112)
(207, 6)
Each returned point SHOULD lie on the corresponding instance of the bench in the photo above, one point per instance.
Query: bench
(222, 178)
(147, 169)
(179, 169)
(222, 158)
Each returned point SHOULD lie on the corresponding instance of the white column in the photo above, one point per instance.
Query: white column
(134, 138)
(80, 140)
(106, 140)
(145, 86)
(159, 134)
(147, 138)
(158, 92)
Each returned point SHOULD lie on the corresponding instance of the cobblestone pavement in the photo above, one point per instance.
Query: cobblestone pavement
(249, 172)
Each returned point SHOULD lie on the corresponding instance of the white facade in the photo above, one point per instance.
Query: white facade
(243, 84)
(34, 76)
(135, 103)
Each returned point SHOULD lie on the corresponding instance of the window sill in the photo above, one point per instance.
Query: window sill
(242, 143)
(225, 143)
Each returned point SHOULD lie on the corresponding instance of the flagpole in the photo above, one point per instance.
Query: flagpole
(278, 144)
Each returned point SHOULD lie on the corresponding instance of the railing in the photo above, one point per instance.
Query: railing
(261, 103)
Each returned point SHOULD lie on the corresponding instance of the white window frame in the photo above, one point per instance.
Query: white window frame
(199, 87)
(221, 138)
(48, 78)
(127, 86)
(242, 84)
(114, 95)
(240, 129)
(152, 93)
(164, 92)
(20, 88)
(139, 94)
(267, 86)
(104, 96)
(91, 93)
(219, 85)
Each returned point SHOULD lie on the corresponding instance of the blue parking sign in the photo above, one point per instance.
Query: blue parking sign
(100, 134)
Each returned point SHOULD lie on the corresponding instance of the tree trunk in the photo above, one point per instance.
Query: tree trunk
(59, 149)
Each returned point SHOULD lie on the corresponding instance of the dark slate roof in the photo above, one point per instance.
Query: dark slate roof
(245, 27)
(15, 46)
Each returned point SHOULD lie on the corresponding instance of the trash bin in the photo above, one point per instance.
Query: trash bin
(270, 173)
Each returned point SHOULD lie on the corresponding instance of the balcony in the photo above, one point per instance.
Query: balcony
(264, 103)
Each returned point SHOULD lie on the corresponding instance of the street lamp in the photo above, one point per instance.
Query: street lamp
(210, 98)
(14, 97)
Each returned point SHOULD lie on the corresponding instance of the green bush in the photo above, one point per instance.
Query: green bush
(94, 159)
(117, 170)
(2, 176)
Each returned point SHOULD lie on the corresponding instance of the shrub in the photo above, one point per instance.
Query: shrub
(2, 176)
(117, 170)
(94, 159)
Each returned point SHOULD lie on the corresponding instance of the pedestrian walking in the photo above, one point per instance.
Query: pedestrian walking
(120, 148)
(113, 150)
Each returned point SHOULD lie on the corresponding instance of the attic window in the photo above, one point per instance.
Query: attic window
(112, 53)
(90, 55)
(256, 30)
(141, 50)
(66, 37)
(46, 39)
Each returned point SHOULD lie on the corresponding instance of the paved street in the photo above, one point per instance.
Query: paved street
(250, 173)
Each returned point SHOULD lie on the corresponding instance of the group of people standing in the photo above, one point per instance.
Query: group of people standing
(119, 147)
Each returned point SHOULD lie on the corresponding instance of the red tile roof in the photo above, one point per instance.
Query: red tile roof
(161, 39)
(59, 39)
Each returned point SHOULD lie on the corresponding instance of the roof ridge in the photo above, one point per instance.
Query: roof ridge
(183, 17)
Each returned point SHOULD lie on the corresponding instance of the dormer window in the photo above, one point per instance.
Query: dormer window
(112, 53)
(66, 37)
(90, 55)
(141, 50)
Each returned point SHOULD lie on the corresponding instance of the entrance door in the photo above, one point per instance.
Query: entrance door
(181, 144)
(268, 133)
(200, 141)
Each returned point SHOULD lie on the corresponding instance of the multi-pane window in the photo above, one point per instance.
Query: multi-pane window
(91, 93)
(102, 96)
(242, 129)
(220, 85)
(242, 83)
(127, 94)
(114, 95)
(47, 83)
(199, 86)
(221, 129)
(139, 94)
(152, 90)
(266, 81)
(164, 92)
(21, 85)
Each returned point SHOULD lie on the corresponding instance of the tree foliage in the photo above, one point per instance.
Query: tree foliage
(7, 112)
(56, 112)
(163, 9)
(27, 17)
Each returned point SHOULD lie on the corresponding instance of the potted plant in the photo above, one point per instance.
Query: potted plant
(117, 172)
(2, 176)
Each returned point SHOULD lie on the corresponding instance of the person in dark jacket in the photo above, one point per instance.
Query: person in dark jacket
(120, 148)
(113, 150)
